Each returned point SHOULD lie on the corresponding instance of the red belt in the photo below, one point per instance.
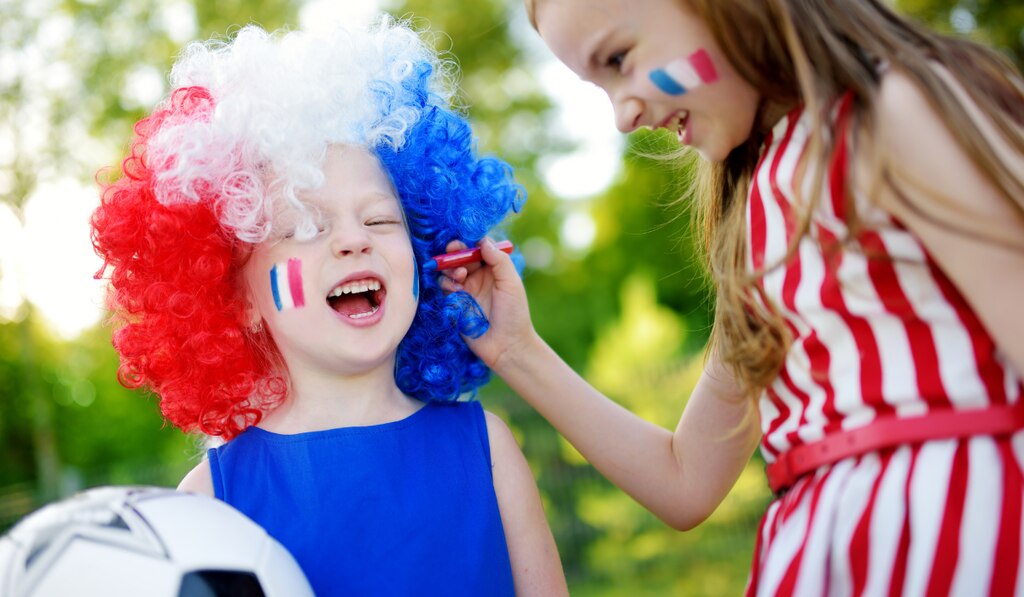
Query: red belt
(887, 432)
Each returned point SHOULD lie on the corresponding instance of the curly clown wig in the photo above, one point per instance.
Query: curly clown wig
(222, 163)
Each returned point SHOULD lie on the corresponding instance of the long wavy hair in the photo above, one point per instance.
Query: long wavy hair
(221, 165)
(811, 52)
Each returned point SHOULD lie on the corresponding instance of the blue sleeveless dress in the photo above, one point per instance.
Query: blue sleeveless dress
(402, 508)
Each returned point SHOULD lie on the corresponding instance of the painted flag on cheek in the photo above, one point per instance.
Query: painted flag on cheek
(286, 284)
(685, 74)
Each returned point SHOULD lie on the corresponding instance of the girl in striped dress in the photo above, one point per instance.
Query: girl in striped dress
(862, 199)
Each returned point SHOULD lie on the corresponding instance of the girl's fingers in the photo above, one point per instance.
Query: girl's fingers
(458, 274)
(449, 285)
(500, 262)
(455, 245)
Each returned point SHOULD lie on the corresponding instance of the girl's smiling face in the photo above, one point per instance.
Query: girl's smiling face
(340, 302)
(660, 66)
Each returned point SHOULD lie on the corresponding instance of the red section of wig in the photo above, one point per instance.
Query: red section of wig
(177, 295)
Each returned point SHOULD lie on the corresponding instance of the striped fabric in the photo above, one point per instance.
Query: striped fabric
(878, 331)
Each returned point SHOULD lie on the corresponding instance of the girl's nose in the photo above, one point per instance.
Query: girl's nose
(627, 113)
(351, 239)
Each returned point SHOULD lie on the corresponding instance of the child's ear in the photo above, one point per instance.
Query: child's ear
(251, 318)
(255, 323)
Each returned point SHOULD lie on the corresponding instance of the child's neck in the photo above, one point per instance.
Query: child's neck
(315, 404)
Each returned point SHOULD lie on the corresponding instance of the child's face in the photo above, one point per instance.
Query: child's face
(660, 66)
(340, 302)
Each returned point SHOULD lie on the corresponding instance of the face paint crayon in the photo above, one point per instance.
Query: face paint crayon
(684, 74)
(286, 284)
(463, 257)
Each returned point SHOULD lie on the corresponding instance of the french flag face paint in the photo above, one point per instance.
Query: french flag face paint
(684, 74)
(286, 284)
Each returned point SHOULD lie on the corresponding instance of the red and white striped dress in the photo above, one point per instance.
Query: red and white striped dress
(877, 337)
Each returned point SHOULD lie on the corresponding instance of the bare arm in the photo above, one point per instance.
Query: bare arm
(198, 480)
(944, 193)
(536, 568)
(681, 477)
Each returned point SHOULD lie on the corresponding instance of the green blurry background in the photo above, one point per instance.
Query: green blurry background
(628, 308)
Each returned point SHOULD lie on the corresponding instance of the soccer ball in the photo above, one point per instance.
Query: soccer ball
(152, 541)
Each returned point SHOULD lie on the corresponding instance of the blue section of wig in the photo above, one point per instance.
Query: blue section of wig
(448, 193)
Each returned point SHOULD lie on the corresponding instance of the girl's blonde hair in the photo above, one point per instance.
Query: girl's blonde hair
(811, 52)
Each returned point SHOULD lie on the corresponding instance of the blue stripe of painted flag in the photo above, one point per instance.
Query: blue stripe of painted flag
(273, 288)
(666, 83)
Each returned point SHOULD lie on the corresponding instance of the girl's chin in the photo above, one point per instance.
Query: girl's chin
(710, 152)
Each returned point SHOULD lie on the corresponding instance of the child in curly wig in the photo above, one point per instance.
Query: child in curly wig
(266, 248)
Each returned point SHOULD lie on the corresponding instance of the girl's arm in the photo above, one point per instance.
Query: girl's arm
(681, 477)
(536, 568)
(945, 193)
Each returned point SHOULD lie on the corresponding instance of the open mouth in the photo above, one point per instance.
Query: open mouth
(677, 123)
(358, 298)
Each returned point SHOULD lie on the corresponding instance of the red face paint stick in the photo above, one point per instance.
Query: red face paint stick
(463, 257)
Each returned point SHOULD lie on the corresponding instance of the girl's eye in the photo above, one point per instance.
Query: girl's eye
(382, 221)
(616, 59)
(320, 230)
(293, 234)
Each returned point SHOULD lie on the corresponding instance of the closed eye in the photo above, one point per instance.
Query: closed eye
(320, 230)
(615, 60)
(383, 221)
(293, 234)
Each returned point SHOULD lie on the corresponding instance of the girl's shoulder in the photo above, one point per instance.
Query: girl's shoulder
(499, 435)
(961, 199)
(923, 151)
(198, 480)
(911, 116)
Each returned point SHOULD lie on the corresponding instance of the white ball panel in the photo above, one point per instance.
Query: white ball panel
(89, 568)
(184, 522)
(8, 553)
(280, 574)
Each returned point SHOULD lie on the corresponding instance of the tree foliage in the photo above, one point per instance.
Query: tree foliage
(995, 23)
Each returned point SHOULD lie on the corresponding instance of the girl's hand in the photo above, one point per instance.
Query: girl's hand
(497, 287)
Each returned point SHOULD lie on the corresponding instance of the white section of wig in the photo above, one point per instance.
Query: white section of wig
(279, 101)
